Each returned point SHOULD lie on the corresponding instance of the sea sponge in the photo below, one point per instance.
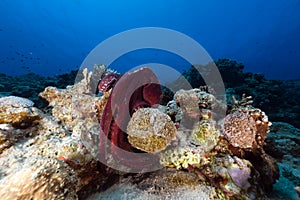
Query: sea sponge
(150, 130)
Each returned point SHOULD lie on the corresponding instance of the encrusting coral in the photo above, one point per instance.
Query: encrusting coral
(60, 149)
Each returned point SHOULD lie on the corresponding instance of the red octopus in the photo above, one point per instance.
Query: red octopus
(134, 90)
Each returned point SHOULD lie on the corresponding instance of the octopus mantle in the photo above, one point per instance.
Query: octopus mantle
(134, 90)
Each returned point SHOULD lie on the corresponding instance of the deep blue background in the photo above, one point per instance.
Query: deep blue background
(54, 36)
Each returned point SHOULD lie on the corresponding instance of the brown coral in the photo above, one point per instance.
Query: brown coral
(260, 117)
(196, 105)
(240, 130)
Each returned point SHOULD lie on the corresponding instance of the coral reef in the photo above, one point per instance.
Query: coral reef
(283, 144)
(200, 152)
(50, 146)
(260, 117)
(221, 156)
(278, 98)
(15, 101)
(30, 85)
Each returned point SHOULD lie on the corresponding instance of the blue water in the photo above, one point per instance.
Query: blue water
(51, 37)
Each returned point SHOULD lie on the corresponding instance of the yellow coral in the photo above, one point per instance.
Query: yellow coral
(205, 134)
(180, 158)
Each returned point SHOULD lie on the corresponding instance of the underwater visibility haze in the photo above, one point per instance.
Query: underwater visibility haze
(50, 37)
(149, 99)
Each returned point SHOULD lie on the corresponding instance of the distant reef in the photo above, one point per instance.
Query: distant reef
(278, 98)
